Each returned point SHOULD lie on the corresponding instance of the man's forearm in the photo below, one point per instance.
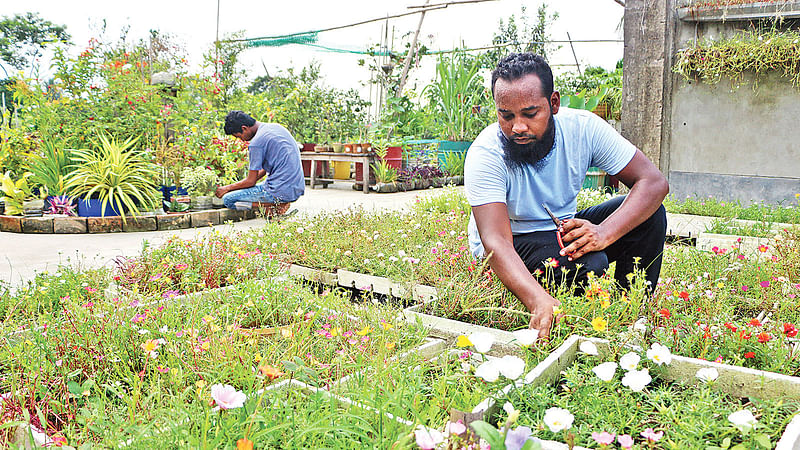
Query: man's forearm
(246, 183)
(641, 202)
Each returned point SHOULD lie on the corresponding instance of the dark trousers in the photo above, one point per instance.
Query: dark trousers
(645, 242)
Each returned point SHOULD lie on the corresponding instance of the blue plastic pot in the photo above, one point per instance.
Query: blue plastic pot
(92, 207)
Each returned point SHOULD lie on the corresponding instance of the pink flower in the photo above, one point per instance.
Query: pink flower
(651, 435)
(625, 441)
(138, 318)
(744, 288)
(227, 397)
(455, 428)
(162, 369)
(428, 438)
(764, 284)
(603, 438)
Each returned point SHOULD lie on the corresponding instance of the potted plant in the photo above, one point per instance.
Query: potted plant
(385, 175)
(49, 169)
(112, 179)
(200, 183)
(454, 167)
(19, 196)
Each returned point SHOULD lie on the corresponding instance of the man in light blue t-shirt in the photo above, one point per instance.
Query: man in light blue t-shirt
(538, 153)
(274, 153)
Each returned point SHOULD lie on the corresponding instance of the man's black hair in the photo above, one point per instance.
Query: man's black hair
(235, 120)
(517, 65)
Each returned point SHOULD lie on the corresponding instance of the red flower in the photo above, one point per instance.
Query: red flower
(754, 323)
(789, 330)
(730, 326)
(764, 337)
(684, 295)
(749, 355)
(744, 335)
(664, 313)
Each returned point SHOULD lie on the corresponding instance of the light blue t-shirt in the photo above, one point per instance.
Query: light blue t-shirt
(274, 150)
(582, 140)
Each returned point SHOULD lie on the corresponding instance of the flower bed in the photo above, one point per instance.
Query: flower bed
(589, 391)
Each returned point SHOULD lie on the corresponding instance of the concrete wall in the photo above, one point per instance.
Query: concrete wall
(741, 144)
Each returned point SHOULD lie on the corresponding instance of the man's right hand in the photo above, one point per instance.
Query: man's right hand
(542, 315)
(220, 191)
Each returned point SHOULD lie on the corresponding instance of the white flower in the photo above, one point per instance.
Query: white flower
(482, 341)
(511, 366)
(379, 255)
(605, 371)
(629, 361)
(401, 253)
(526, 337)
(558, 419)
(640, 325)
(428, 438)
(300, 230)
(588, 347)
(227, 397)
(366, 261)
(489, 371)
(509, 408)
(636, 380)
(393, 258)
(347, 253)
(743, 420)
(707, 374)
(163, 329)
(659, 354)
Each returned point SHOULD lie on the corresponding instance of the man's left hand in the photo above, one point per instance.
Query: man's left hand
(220, 191)
(583, 237)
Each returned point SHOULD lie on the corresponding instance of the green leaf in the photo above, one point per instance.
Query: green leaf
(726, 442)
(530, 444)
(739, 447)
(490, 433)
(763, 440)
(74, 388)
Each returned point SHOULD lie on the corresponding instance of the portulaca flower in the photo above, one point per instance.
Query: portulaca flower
(659, 354)
(629, 361)
(489, 371)
(511, 366)
(707, 374)
(456, 428)
(526, 337)
(558, 419)
(428, 438)
(640, 325)
(743, 420)
(605, 371)
(636, 380)
(482, 341)
(589, 348)
(227, 397)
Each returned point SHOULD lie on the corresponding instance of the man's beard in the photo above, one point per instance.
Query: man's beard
(533, 153)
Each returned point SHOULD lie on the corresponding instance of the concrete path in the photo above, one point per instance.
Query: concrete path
(23, 255)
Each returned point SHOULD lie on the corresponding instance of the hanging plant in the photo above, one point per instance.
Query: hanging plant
(748, 51)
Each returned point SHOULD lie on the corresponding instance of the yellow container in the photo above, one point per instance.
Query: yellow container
(341, 170)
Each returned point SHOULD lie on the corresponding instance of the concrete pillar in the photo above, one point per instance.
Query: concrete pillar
(645, 70)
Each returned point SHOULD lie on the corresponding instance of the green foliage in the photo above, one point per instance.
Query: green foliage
(584, 101)
(15, 192)
(51, 166)
(199, 181)
(453, 163)
(455, 94)
(592, 82)
(519, 35)
(758, 52)
(383, 172)
(22, 38)
(115, 173)
(781, 213)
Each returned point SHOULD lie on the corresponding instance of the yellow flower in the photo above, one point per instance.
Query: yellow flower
(391, 345)
(86, 393)
(364, 331)
(557, 310)
(149, 345)
(624, 298)
(463, 341)
(599, 324)
(605, 304)
(287, 333)
(386, 325)
(205, 345)
(720, 285)
(336, 331)
(258, 357)
(200, 384)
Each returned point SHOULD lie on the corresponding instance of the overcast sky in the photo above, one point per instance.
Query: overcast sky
(194, 24)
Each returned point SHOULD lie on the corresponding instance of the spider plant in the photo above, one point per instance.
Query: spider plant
(114, 173)
(51, 167)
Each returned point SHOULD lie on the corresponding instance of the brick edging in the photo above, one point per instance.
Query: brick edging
(114, 224)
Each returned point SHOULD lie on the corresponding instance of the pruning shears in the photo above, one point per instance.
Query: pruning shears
(558, 225)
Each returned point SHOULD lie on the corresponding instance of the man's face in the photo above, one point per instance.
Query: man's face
(246, 134)
(525, 116)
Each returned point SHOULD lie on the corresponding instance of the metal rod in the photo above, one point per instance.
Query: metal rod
(573, 54)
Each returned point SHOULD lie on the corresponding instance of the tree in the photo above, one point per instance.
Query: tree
(518, 35)
(23, 37)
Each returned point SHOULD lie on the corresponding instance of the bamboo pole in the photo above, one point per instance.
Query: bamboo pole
(411, 51)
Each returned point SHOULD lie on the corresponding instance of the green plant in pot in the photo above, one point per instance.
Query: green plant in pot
(453, 166)
(116, 174)
(385, 175)
(200, 183)
(50, 167)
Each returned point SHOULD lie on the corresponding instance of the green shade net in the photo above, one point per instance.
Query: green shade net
(306, 38)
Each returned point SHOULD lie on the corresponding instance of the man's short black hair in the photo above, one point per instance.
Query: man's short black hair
(235, 120)
(517, 65)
